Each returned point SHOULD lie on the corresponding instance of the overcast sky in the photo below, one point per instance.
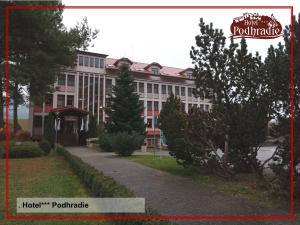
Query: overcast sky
(163, 35)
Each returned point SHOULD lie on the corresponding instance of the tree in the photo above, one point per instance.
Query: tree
(278, 66)
(235, 82)
(124, 115)
(40, 47)
(49, 130)
(92, 132)
(171, 121)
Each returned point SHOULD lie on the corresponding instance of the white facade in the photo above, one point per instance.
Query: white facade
(87, 84)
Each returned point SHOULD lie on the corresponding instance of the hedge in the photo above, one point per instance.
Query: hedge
(22, 150)
(104, 186)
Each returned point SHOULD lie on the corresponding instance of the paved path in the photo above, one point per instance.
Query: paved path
(174, 195)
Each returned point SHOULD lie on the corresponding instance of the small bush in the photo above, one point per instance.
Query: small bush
(105, 142)
(2, 135)
(22, 135)
(45, 146)
(125, 144)
(23, 150)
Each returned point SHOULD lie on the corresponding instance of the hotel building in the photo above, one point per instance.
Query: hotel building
(86, 86)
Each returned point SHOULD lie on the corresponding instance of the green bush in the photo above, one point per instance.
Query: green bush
(45, 146)
(105, 142)
(125, 144)
(23, 150)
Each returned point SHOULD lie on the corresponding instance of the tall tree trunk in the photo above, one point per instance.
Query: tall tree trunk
(15, 107)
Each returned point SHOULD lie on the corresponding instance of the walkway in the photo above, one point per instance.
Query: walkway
(174, 195)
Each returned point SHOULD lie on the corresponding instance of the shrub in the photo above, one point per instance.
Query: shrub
(125, 144)
(24, 150)
(105, 142)
(2, 135)
(22, 135)
(45, 146)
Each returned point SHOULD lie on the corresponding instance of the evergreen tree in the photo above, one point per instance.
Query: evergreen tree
(171, 121)
(124, 113)
(39, 47)
(49, 130)
(92, 132)
(125, 126)
(235, 82)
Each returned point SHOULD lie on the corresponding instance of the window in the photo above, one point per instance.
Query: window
(182, 91)
(183, 106)
(86, 60)
(207, 107)
(80, 60)
(149, 122)
(155, 106)
(154, 70)
(190, 92)
(149, 106)
(163, 104)
(176, 90)
(141, 88)
(155, 88)
(149, 88)
(163, 89)
(201, 106)
(49, 99)
(97, 62)
(71, 80)
(135, 86)
(37, 121)
(60, 100)
(92, 61)
(170, 89)
(108, 88)
(101, 63)
(70, 100)
(189, 75)
(193, 91)
(61, 80)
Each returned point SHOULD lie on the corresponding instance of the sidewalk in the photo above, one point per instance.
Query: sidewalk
(174, 195)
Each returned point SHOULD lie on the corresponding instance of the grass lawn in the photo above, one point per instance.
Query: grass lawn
(48, 176)
(245, 187)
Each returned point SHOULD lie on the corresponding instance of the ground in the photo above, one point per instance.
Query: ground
(171, 194)
(41, 177)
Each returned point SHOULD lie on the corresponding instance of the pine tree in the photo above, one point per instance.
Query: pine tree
(124, 114)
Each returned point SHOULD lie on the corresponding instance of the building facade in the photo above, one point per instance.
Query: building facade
(87, 85)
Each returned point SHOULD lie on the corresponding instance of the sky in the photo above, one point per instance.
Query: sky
(163, 35)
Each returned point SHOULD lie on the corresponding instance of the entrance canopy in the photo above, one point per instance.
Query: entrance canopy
(70, 111)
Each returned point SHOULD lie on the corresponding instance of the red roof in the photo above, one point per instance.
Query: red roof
(140, 67)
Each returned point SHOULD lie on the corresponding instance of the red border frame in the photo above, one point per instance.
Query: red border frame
(95, 217)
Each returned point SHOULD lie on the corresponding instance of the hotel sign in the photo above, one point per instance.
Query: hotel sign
(253, 25)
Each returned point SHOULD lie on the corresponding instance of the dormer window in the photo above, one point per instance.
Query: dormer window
(154, 68)
(188, 73)
(123, 61)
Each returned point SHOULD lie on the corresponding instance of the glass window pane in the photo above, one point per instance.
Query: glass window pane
(92, 60)
(80, 60)
(97, 63)
(86, 60)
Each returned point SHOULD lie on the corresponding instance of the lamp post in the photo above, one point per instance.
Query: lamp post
(57, 121)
